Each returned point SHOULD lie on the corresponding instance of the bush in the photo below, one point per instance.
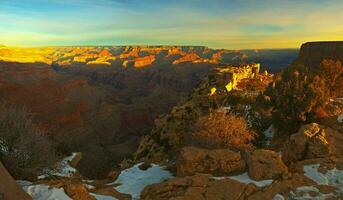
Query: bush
(24, 148)
(219, 129)
(296, 97)
(332, 73)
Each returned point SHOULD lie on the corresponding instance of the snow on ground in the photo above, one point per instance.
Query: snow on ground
(333, 177)
(102, 197)
(311, 171)
(43, 192)
(309, 192)
(269, 133)
(244, 178)
(340, 118)
(23, 183)
(90, 187)
(278, 197)
(63, 168)
(133, 180)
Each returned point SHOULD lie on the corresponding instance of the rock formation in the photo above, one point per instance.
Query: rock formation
(313, 53)
(265, 164)
(9, 190)
(217, 162)
(200, 187)
(309, 142)
(171, 132)
(144, 61)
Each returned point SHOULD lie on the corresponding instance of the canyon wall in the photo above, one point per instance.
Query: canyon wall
(312, 53)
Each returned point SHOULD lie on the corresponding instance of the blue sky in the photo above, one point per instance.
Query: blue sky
(232, 24)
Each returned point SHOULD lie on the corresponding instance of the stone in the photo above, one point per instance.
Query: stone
(200, 187)
(265, 164)
(9, 189)
(308, 143)
(194, 160)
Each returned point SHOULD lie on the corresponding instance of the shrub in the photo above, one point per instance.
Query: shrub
(332, 73)
(219, 129)
(296, 97)
(24, 147)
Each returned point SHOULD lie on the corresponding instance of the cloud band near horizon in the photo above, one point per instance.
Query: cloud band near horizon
(232, 24)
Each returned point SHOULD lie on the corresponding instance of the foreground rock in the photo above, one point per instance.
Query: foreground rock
(265, 164)
(200, 187)
(9, 190)
(309, 142)
(73, 188)
(194, 160)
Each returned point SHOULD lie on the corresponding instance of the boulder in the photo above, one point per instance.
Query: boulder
(194, 160)
(265, 164)
(9, 189)
(309, 142)
(200, 187)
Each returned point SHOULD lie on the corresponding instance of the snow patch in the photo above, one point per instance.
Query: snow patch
(340, 118)
(333, 177)
(90, 187)
(309, 192)
(63, 168)
(278, 197)
(102, 197)
(244, 178)
(43, 192)
(133, 180)
(23, 183)
(311, 171)
(269, 133)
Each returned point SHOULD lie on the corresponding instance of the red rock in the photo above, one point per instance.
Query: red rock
(265, 164)
(9, 189)
(217, 162)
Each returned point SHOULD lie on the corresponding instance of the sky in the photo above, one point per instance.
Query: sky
(230, 24)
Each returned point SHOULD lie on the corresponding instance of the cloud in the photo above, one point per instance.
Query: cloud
(216, 23)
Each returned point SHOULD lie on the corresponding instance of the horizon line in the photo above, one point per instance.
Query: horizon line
(146, 45)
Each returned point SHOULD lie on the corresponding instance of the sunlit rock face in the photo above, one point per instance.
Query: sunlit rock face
(144, 61)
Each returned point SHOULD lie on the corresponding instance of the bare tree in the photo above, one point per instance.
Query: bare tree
(25, 149)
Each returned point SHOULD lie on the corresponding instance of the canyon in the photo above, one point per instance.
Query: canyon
(131, 112)
(101, 100)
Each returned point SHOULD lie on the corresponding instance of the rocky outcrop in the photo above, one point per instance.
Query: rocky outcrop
(309, 142)
(9, 190)
(144, 61)
(265, 164)
(200, 187)
(313, 53)
(194, 160)
(187, 58)
(173, 131)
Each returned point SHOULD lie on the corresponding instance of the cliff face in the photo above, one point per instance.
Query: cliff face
(312, 53)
